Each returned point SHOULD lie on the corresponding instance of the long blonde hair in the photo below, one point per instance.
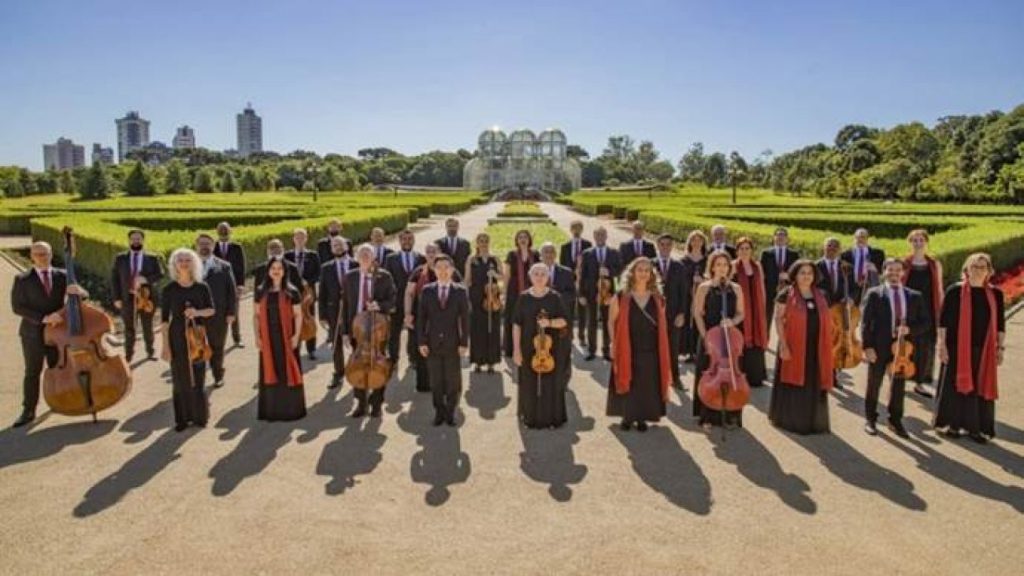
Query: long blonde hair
(629, 276)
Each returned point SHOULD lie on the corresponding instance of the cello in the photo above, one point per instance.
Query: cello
(368, 367)
(86, 379)
(723, 386)
(847, 350)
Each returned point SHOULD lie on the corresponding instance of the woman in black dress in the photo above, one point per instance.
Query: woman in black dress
(517, 265)
(693, 275)
(185, 298)
(750, 278)
(971, 334)
(541, 397)
(718, 302)
(924, 274)
(424, 274)
(277, 324)
(804, 372)
(482, 270)
(641, 371)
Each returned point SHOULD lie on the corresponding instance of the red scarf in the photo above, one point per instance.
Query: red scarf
(755, 325)
(795, 335)
(270, 376)
(986, 381)
(933, 270)
(623, 361)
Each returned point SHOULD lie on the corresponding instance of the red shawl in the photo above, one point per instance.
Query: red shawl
(986, 381)
(270, 376)
(623, 361)
(933, 270)
(755, 325)
(793, 370)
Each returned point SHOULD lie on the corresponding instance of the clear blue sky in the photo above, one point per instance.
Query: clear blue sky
(422, 75)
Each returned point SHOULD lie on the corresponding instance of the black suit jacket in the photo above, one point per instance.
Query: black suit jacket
(121, 276)
(384, 295)
(323, 248)
(729, 248)
(310, 271)
(29, 300)
(384, 253)
(674, 286)
(834, 294)
(565, 285)
(294, 278)
(590, 267)
(565, 254)
(876, 256)
(446, 329)
(771, 268)
(330, 292)
(234, 256)
(221, 280)
(876, 320)
(629, 254)
(394, 265)
(461, 253)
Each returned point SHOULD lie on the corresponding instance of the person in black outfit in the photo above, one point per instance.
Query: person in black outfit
(720, 241)
(380, 251)
(308, 264)
(367, 289)
(718, 302)
(889, 310)
(442, 328)
(833, 273)
(401, 264)
(636, 247)
(233, 253)
(865, 264)
(541, 397)
(38, 297)
(570, 255)
(675, 291)
(323, 246)
(277, 322)
(923, 273)
(560, 279)
(275, 248)
(517, 266)
(454, 246)
(219, 277)
(419, 278)
(693, 275)
(598, 263)
(185, 298)
(329, 300)
(775, 263)
(483, 269)
(131, 271)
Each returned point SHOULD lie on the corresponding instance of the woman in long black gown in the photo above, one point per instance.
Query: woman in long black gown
(972, 329)
(718, 302)
(750, 278)
(641, 371)
(277, 324)
(924, 274)
(517, 266)
(482, 270)
(420, 277)
(541, 398)
(185, 298)
(803, 372)
(693, 275)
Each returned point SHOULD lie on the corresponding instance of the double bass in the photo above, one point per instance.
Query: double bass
(847, 350)
(86, 378)
(723, 386)
(308, 331)
(368, 367)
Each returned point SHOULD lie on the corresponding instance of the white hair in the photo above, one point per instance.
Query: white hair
(365, 247)
(196, 264)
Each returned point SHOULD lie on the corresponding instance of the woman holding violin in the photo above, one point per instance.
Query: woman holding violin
(539, 320)
(693, 275)
(641, 356)
(185, 303)
(718, 303)
(749, 276)
(517, 266)
(483, 271)
(923, 273)
(803, 372)
(277, 324)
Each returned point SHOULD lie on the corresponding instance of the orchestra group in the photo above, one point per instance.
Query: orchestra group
(714, 306)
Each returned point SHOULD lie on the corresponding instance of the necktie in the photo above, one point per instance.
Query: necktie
(365, 296)
(224, 249)
(340, 270)
(46, 281)
(135, 266)
(551, 276)
(897, 302)
(637, 248)
(600, 255)
(444, 296)
(663, 268)
(575, 249)
(298, 261)
(860, 265)
(407, 258)
(380, 254)
(835, 277)
(451, 245)
(778, 258)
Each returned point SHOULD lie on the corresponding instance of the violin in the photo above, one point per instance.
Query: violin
(368, 367)
(86, 378)
(492, 294)
(308, 331)
(723, 386)
(144, 299)
(604, 291)
(847, 349)
(199, 349)
(902, 365)
(542, 362)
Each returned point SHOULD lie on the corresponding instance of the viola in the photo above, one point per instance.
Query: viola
(902, 365)
(604, 291)
(144, 299)
(847, 350)
(199, 349)
(368, 367)
(723, 386)
(308, 331)
(542, 362)
(492, 294)
(86, 378)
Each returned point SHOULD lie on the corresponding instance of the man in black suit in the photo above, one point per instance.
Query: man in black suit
(308, 265)
(720, 241)
(775, 262)
(890, 310)
(218, 275)
(276, 248)
(323, 247)
(38, 297)
(865, 264)
(442, 328)
(380, 251)
(675, 288)
(332, 281)
(637, 246)
(132, 270)
(560, 279)
(400, 265)
(367, 288)
(833, 273)
(570, 255)
(232, 253)
(598, 262)
(454, 246)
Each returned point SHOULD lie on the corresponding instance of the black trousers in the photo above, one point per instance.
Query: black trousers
(675, 344)
(217, 334)
(876, 374)
(581, 321)
(597, 314)
(395, 337)
(128, 318)
(34, 352)
(236, 331)
(376, 397)
(445, 370)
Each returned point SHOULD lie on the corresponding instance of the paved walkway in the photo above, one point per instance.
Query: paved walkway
(329, 494)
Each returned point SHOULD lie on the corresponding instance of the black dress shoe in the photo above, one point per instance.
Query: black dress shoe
(490, 369)
(128, 357)
(952, 433)
(375, 412)
(438, 420)
(476, 368)
(590, 357)
(150, 355)
(25, 418)
(450, 421)
(641, 426)
(625, 426)
(312, 355)
(180, 427)
(218, 383)
(870, 429)
(898, 429)
(335, 382)
(359, 412)
(979, 438)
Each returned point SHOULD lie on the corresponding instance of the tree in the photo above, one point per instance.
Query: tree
(177, 178)
(378, 153)
(28, 183)
(715, 170)
(852, 133)
(96, 185)
(737, 171)
(204, 181)
(67, 184)
(249, 182)
(576, 152)
(691, 165)
(661, 171)
(227, 182)
(138, 182)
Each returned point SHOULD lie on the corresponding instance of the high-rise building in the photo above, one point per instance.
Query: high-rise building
(250, 132)
(64, 155)
(132, 134)
(102, 155)
(184, 137)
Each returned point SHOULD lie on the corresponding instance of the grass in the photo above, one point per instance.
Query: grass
(503, 236)
(521, 209)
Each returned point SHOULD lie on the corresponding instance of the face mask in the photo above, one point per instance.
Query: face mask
(136, 247)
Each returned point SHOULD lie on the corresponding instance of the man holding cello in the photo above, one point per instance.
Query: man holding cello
(366, 289)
